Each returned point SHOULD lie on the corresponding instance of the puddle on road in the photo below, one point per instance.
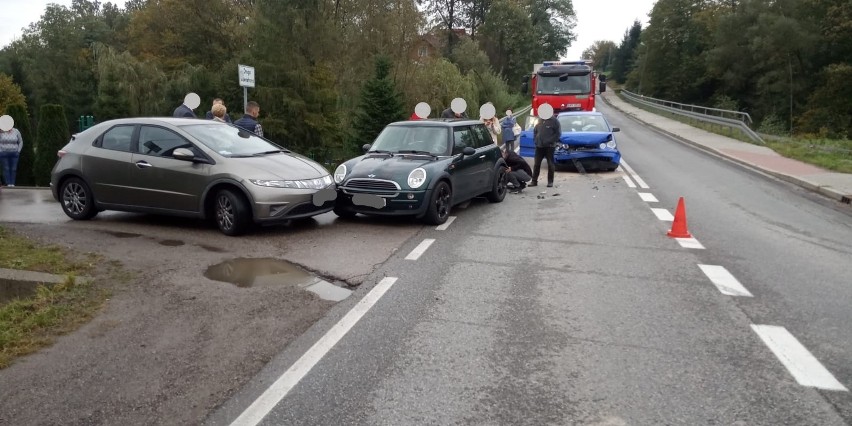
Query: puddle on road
(171, 243)
(118, 234)
(246, 272)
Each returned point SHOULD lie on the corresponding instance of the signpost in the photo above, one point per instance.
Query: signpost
(246, 76)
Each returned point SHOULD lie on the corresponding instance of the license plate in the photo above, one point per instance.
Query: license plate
(324, 195)
(368, 200)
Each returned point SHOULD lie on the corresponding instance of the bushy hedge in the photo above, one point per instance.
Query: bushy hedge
(19, 113)
(52, 136)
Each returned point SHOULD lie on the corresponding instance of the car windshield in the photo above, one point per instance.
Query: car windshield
(413, 139)
(231, 141)
(582, 123)
(573, 85)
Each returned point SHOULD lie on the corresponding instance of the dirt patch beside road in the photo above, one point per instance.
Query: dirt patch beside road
(170, 345)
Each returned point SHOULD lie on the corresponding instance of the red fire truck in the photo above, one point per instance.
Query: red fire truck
(565, 85)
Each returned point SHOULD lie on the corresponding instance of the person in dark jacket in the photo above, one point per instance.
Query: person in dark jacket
(249, 120)
(184, 111)
(519, 170)
(210, 115)
(448, 113)
(546, 136)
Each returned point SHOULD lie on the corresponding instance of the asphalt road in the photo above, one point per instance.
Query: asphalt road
(576, 308)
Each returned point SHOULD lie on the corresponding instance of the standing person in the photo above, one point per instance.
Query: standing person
(508, 131)
(210, 115)
(184, 111)
(249, 120)
(11, 143)
(493, 127)
(448, 113)
(220, 113)
(519, 170)
(546, 136)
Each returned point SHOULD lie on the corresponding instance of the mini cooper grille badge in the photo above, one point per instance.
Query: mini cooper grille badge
(371, 176)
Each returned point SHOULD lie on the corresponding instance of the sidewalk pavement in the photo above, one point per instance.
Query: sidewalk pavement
(835, 185)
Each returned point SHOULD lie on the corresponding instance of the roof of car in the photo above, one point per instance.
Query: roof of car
(437, 122)
(175, 121)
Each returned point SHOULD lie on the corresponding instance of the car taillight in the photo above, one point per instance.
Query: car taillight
(61, 153)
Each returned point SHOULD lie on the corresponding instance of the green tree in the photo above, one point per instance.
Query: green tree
(381, 104)
(18, 112)
(622, 63)
(508, 38)
(52, 136)
(10, 93)
(553, 23)
(601, 53)
(111, 102)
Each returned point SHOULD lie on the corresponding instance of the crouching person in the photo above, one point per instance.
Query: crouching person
(519, 170)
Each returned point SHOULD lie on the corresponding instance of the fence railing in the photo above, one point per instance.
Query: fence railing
(718, 116)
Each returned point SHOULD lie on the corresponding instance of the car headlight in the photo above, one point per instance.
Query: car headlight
(611, 144)
(318, 183)
(416, 178)
(339, 173)
(602, 146)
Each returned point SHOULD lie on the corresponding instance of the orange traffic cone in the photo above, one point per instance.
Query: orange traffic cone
(679, 225)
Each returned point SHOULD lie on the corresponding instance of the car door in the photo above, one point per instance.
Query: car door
(464, 168)
(106, 166)
(489, 153)
(160, 180)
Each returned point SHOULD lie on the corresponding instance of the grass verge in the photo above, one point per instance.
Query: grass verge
(28, 324)
(830, 154)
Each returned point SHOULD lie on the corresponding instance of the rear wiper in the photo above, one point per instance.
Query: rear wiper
(414, 151)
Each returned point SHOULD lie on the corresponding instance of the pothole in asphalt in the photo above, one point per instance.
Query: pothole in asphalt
(245, 272)
(171, 243)
(118, 234)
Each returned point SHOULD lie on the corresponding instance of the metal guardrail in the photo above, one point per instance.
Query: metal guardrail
(722, 117)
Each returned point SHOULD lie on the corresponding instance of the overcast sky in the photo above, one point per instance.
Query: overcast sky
(596, 19)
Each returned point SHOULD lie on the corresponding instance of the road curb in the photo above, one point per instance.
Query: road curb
(824, 190)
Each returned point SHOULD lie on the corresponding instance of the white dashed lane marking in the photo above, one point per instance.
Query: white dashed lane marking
(690, 243)
(724, 280)
(663, 215)
(633, 174)
(804, 367)
(445, 225)
(628, 181)
(255, 413)
(648, 197)
(420, 249)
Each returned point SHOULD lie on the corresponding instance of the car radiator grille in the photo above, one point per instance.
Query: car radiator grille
(372, 184)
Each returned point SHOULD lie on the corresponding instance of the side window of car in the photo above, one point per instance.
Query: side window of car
(462, 138)
(161, 142)
(118, 138)
(483, 136)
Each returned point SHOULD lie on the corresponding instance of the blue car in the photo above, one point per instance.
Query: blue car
(587, 139)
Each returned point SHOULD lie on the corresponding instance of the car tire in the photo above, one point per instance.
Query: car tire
(231, 212)
(77, 199)
(343, 213)
(498, 188)
(440, 204)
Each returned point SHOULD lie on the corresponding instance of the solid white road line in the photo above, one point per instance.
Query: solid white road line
(279, 389)
(420, 249)
(628, 181)
(806, 369)
(663, 214)
(445, 225)
(724, 280)
(690, 243)
(636, 177)
(648, 197)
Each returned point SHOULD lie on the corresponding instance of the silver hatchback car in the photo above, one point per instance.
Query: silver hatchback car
(188, 167)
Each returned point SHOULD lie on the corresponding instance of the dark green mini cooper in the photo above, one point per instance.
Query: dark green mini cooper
(422, 168)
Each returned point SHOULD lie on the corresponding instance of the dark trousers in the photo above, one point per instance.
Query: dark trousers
(540, 154)
(515, 177)
(509, 145)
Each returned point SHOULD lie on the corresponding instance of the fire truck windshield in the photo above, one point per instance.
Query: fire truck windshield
(573, 85)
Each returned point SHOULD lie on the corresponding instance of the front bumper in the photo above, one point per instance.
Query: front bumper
(272, 205)
(589, 158)
(398, 202)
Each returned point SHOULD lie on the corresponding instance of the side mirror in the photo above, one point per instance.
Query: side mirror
(524, 87)
(183, 154)
(366, 147)
(615, 129)
(468, 151)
